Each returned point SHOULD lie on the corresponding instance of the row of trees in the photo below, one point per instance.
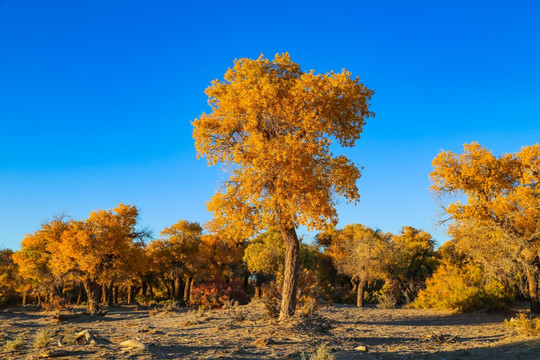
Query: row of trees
(105, 259)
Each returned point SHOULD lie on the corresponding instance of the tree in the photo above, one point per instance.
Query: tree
(498, 202)
(94, 249)
(264, 257)
(34, 258)
(272, 126)
(178, 249)
(9, 277)
(358, 252)
(410, 261)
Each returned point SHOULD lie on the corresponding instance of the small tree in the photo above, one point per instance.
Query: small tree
(358, 252)
(272, 126)
(410, 261)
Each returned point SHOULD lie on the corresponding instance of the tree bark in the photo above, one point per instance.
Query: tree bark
(178, 287)
(24, 298)
(130, 294)
(290, 280)
(92, 291)
(533, 278)
(79, 296)
(360, 292)
(144, 288)
(258, 286)
(187, 288)
(115, 295)
(104, 293)
(110, 294)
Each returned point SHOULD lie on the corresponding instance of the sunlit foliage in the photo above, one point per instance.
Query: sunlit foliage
(272, 126)
(497, 211)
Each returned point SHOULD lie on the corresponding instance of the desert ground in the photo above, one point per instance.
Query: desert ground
(244, 332)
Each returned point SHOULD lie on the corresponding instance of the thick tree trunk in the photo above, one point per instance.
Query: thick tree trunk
(533, 278)
(290, 280)
(92, 291)
(187, 289)
(178, 288)
(110, 294)
(360, 292)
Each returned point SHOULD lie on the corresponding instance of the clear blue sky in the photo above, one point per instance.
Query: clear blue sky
(96, 97)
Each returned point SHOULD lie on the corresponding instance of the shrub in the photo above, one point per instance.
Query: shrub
(323, 352)
(524, 325)
(216, 293)
(463, 288)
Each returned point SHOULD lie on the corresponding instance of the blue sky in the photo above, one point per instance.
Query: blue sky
(96, 98)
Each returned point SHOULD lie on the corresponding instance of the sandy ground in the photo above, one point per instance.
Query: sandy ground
(245, 333)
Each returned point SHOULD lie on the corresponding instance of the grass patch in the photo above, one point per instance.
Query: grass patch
(42, 339)
(14, 345)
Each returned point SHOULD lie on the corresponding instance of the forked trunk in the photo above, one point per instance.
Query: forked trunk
(92, 291)
(290, 279)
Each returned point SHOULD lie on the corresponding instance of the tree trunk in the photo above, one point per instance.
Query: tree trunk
(115, 294)
(110, 294)
(168, 291)
(104, 293)
(258, 286)
(79, 296)
(130, 294)
(533, 277)
(187, 288)
(246, 283)
(144, 288)
(24, 298)
(92, 291)
(290, 280)
(360, 292)
(178, 287)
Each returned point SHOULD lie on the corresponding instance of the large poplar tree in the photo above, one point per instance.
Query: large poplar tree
(271, 127)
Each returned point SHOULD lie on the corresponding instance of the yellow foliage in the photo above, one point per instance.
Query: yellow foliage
(272, 126)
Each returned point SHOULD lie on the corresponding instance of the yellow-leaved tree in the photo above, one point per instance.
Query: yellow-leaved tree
(358, 252)
(497, 212)
(95, 250)
(272, 126)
